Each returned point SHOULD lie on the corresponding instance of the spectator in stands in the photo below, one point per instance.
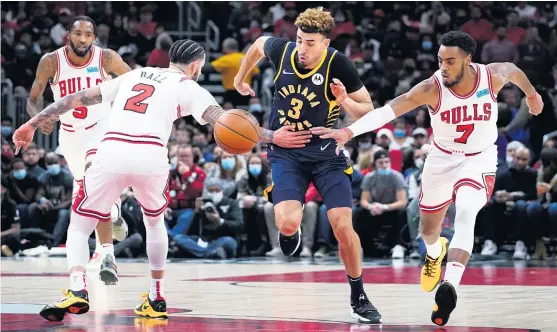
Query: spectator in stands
(401, 139)
(182, 136)
(513, 200)
(159, 56)
(10, 223)
(7, 128)
(415, 178)
(420, 137)
(229, 169)
(215, 227)
(383, 202)
(385, 139)
(31, 159)
(500, 49)
(228, 65)
(285, 27)
(60, 30)
(23, 189)
(54, 197)
(256, 209)
(146, 25)
(186, 185)
(133, 37)
(515, 33)
(103, 35)
(256, 109)
(479, 28)
(534, 56)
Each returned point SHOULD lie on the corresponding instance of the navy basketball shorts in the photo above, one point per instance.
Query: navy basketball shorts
(291, 179)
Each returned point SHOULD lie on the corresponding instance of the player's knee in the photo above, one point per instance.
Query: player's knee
(341, 223)
(430, 223)
(288, 222)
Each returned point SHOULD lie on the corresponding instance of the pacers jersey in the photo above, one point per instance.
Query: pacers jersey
(466, 124)
(305, 101)
(70, 79)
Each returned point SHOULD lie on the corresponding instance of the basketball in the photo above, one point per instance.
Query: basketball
(237, 131)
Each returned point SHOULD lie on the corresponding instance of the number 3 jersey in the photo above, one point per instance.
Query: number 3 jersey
(70, 79)
(466, 124)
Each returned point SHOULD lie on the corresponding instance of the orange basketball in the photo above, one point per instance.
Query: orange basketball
(237, 131)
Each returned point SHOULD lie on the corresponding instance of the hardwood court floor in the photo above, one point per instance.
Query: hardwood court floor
(282, 295)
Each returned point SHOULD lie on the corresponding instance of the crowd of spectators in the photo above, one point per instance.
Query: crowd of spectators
(218, 208)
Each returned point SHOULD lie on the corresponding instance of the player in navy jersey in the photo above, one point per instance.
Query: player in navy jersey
(312, 82)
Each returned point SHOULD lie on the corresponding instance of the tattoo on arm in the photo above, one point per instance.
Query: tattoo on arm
(213, 112)
(83, 98)
(113, 63)
(46, 70)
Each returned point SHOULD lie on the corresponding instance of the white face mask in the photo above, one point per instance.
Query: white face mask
(216, 197)
(419, 162)
(509, 160)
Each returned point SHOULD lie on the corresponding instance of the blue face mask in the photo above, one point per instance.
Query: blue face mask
(255, 108)
(427, 45)
(383, 171)
(6, 130)
(20, 174)
(172, 166)
(53, 169)
(228, 164)
(399, 133)
(255, 169)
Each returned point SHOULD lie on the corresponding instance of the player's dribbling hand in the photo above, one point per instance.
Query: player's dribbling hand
(338, 90)
(23, 137)
(243, 88)
(340, 135)
(535, 104)
(287, 137)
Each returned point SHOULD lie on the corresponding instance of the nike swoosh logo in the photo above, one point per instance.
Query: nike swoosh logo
(287, 73)
(145, 306)
(324, 147)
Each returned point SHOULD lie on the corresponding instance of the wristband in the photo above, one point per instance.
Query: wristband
(349, 132)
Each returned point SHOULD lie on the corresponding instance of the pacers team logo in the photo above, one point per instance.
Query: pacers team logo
(317, 79)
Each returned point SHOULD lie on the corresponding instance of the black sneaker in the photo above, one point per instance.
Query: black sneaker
(289, 244)
(364, 311)
(109, 271)
(445, 302)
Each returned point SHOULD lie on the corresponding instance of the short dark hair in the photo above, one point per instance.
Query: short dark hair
(185, 51)
(459, 39)
(85, 19)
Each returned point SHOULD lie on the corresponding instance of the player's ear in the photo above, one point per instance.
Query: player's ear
(327, 42)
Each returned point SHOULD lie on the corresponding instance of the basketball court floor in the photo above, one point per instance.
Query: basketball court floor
(282, 295)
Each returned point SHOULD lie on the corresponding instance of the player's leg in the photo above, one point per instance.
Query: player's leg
(91, 205)
(332, 179)
(290, 183)
(153, 196)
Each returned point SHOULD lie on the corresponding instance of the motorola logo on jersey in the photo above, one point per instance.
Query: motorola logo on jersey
(298, 96)
(75, 84)
(317, 79)
(464, 113)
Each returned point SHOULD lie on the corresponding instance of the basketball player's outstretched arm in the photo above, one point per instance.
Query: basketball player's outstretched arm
(255, 53)
(46, 71)
(505, 72)
(113, 64)
(213, 112)
(425, 93)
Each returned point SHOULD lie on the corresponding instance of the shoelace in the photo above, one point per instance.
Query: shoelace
(429, 266)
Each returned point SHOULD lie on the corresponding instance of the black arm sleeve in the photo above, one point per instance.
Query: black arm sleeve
(343, 68)
(274, 47)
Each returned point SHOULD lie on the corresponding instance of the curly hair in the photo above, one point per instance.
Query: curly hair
(459, 39)
(316, 20)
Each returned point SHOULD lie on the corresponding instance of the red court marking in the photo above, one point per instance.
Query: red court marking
(532, 276)
(124, 321)
(39, 274)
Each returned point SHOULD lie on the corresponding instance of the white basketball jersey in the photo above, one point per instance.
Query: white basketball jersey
(466, 124)
(70, 79)
(148, 100)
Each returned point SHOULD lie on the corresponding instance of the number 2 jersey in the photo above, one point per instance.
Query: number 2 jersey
(466, 124)
(146, 102)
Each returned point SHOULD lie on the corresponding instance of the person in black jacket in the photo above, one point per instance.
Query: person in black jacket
(215, 226)
(10, 222)
(513, 206)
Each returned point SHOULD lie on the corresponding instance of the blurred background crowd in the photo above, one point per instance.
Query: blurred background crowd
(393, 46)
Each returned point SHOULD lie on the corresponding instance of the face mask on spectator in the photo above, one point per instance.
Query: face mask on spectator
(509, 160)
(399, 133)
(383, 171)
(215, 197)
(255, 169)
(172, 166)
(419, 162)
(427, 45)
(228, 164)
(19, 174)
(54, 169)
(364, 145)
(255, 108)
(6, 130)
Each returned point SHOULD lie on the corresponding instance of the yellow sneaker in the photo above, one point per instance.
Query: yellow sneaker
(153, 309)
(73, 302)
(431, 270)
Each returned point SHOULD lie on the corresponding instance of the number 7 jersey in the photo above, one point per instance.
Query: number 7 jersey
(466, 124)
(148, 100)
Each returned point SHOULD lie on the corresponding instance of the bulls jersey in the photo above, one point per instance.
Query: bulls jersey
(466, 124)
(70, 79)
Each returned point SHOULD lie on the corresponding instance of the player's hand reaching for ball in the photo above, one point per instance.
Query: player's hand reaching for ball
(23, 137)
(535, 104)
(287, 137)
(243, 88)
(340, 135)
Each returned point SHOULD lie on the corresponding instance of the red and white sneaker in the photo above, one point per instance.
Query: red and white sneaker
(95, 261)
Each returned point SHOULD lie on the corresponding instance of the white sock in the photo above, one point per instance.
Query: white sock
(434, 250)
(156, 290)
(98, 245)
(77, 281)
(453, 273)
(107, 249)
